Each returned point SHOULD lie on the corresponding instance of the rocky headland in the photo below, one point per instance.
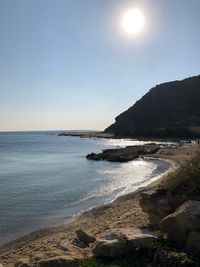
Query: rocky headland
(168, 110)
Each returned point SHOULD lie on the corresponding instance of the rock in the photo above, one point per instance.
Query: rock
(184, 220)
(112, 236)
(138, 239)
(64, 245)
(124, 154)
(78, 243)
(121, 243)
(84, 237)
(155, 203)
(22, 263)
(193, 242)
(72, 251)
(64, 261)
(109, 248)
(133, 237)
(163, 258)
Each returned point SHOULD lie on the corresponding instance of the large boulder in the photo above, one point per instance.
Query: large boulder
(139, 238)
(155, 203)
(184, 220)
(121, 243)
(110, 248)
(193, 242)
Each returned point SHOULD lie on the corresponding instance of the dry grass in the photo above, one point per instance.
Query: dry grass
(186, 179)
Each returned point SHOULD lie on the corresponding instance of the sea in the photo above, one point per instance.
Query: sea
(46, 180)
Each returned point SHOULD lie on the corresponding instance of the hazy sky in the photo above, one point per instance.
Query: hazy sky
(67, 64)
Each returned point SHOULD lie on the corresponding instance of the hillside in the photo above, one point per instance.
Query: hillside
(170, 109)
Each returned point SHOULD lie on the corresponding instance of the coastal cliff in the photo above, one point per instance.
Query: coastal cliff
(168, 110)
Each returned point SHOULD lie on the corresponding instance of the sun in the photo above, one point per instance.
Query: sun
(133, 21)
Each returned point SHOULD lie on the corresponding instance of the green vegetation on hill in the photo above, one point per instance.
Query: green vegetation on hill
(168, 110)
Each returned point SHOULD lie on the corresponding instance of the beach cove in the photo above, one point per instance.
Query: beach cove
(124, 212)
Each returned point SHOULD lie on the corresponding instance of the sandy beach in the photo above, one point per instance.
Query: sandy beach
(124, 212)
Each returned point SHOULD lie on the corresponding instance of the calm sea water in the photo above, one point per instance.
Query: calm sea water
(46, 179)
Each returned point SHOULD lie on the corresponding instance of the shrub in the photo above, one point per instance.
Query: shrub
(186, 179)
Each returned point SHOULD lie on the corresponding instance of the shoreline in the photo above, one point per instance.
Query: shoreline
(152, 179)
(99, 221)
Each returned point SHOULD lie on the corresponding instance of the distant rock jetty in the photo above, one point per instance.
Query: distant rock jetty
(125, 154)
(88, 134)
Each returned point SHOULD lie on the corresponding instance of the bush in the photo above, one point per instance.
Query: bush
(186, 179)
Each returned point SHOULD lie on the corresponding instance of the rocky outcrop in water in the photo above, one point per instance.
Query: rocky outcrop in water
(124, 154)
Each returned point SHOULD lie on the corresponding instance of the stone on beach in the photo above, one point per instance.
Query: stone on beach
(122, 242)
(139, 238)
(155, 203)
(84, 237)
(184, 220)
(109, 248)
(78, 243)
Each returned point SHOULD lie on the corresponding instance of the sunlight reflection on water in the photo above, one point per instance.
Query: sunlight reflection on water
(46, 179)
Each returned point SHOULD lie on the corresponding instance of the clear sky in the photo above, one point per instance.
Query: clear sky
(67, 64)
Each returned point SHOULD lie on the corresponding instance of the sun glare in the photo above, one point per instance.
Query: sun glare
(133, 21)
